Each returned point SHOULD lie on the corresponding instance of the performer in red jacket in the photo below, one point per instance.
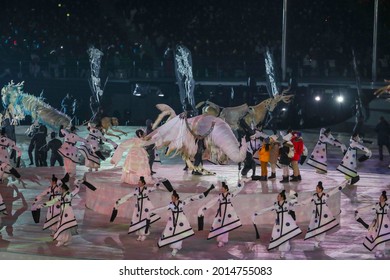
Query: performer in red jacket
(298, 150)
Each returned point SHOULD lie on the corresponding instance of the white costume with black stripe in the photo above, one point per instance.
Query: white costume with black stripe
(348, 164)
(285, 227)
(89, 148)
(318, 158)
(67, 224)
(379, 231)
(142, 215)
(177, 228)
(226, 218)
(69, 151)
(5, 144)
(53, 211)
(3, 210)
(322, 219)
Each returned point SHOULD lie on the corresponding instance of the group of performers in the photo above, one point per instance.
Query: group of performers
(61, 220)
(178, 227)
(290, 151)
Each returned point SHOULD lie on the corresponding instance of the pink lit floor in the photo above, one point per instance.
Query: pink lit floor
(21, 238)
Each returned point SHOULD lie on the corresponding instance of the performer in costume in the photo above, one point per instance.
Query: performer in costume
(379, 230)
(3, 209)
(348, 164)
(264, 155)
(318, 158)
(226, 218)
(67, 224)
(151, 148)
(5, 144)
(322, 219)
(53, 212)
(177, 228)
(285, 227)
(136, 163)
(274, 155)
(69, 151)
(142, 216)
(253, 145)
(297, 141)
(91, 150)
(286, 152)
(38, 141)
(54, 145)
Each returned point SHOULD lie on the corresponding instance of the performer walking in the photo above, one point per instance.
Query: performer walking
(348, 164)
(142, 216)
(226, 218)
(379, 230)
(285, 227)
(322, 219)
(69, 151)
(318, 158)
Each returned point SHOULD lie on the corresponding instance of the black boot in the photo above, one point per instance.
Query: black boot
(299, 178)
(263, 178)
(294, 179)
(273, 175)
(285, 179)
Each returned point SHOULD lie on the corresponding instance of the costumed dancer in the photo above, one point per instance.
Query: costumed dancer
(348, 164)
(286, 152)
(178, 227)
(3, 209)
(53, 212)
(285, 227)
(91, 149)
(226, 218)
(5, 144)
(67, 224)
(142, 216)
(322, 219)
(379, 230)
(318, 158)
(136, 163)
(69, 151)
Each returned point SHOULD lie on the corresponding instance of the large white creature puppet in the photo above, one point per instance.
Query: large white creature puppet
(180, 133)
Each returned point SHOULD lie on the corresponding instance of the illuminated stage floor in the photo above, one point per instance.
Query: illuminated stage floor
(21, 238)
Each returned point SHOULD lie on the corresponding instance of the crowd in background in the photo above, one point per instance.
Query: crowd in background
(49, 39)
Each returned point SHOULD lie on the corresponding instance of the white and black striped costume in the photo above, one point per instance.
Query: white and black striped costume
(318, 158)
